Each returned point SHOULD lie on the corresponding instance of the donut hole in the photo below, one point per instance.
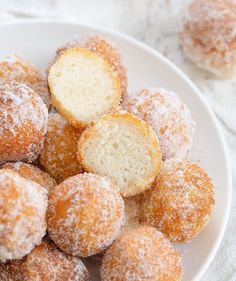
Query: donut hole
(86, 88)
(123, 152)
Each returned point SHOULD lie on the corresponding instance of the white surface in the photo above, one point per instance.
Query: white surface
(156, 23)
(37, 41)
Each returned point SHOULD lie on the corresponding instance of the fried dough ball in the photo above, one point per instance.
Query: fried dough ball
(33, 173)
(58, 156)
(123, 148)
(85, 214)
(207, 35)
(167, 115)
(180, 202)
(44, 263)
(83, 86)
(142, 254)
(23, 207)
(106, 50)
(14, 67)
(23, 119)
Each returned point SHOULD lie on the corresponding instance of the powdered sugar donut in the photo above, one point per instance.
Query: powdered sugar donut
(33, 173)
(23, 119)
(168, 116)
(44, 263)
(23, 207)
(58, 156)
(180, 202)
(141, 254)
(14, 67)
(85, 214)
(208, 35)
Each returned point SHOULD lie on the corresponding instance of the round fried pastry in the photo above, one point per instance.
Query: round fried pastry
(23, 207)
(142, 254)
(180, 202)
(85, 214)
(23, 119)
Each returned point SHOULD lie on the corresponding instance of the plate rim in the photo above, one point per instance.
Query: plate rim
(195, 89)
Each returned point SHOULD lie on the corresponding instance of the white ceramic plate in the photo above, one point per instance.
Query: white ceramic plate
(37, 41)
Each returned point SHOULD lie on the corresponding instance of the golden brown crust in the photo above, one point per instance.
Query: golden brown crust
(85, 214)
(33, 173)
(146, 130)
(22, 216)
(23, 119)
(141, 253)
(44, 263)
(58, 156)
(69, 116)
(170, 119)
(16, 68)
(180, 201)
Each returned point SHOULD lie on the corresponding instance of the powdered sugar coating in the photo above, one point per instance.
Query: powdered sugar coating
(23, 119)
(208, 35)
(141, 254)
(23, 207)
(32, 173)
(45, 263)
(106, 50)
(180, 202)
(14, 67)
(58, 156)
(85, 214)
(168, 116)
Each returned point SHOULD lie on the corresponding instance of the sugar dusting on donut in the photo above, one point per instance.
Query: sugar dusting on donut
(13, 67)
(208, 35)
(23, 118)
(85, 214)
(58, 156)
(33, 173)
(168, 116)
(47, 262)
(180, 202)
(141, 254)
(23, 207)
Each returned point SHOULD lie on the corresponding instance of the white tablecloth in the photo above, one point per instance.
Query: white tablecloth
(155, 22)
